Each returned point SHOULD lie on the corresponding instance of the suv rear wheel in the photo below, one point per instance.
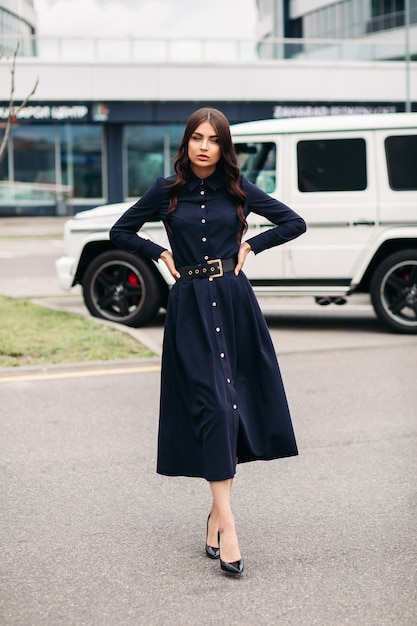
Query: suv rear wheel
(394, 291)
(122, 287)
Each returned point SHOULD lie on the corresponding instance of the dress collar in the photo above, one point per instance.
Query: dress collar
(214, 181)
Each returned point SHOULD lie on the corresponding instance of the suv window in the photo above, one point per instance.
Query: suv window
(401, 153)
(258, 162)
(331, 165)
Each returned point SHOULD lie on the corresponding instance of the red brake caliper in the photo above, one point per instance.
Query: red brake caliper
(133, 280)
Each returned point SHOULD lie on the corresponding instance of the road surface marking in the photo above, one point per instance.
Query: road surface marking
(78, 374)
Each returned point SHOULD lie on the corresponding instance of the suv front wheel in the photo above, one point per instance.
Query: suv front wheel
(394, 291)
(122, 287)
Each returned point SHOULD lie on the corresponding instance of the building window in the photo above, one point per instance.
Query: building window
(341, 19)
(401, 153)
(145, 157)
(4, 166)
(388, 14)
(175, 133)
(331, 165)
(69, 155)
(81, 159)
(149, 152)
(34, 154)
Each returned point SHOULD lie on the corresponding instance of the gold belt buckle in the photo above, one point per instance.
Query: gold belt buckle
(220, 271)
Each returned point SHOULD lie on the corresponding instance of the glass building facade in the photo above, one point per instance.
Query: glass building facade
(87, 158)
(355, 18)
(108, 152)
(331, 19)
(17, 27)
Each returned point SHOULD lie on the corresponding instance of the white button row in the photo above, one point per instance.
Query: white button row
(222, 354)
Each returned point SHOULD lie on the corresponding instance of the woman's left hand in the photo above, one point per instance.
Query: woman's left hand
(168, 259)
(244, 250)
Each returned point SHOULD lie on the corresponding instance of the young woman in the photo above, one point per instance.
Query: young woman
(222, 398)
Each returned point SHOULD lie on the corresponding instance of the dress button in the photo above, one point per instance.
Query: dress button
(203, 221)
(206, 258)
(203, 206)
(228, 381)
(235, 406)
(222, 355)
(211, 279)
(214, 304)
(218, 329)
(202, 193)
(204, 239)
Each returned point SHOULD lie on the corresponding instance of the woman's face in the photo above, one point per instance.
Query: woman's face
(204, 150)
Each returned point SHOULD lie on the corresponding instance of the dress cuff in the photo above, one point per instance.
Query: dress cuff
(152, 250)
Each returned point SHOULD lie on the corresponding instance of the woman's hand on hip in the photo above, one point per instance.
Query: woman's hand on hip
(244, 250)
(168, 259)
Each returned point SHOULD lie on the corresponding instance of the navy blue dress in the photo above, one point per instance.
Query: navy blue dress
(222, 395)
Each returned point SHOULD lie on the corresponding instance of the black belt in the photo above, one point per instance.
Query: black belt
(214, 268)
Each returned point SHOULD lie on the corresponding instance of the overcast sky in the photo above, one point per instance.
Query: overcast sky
(154, 18)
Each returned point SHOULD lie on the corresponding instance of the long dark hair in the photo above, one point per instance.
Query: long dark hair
(227, 163)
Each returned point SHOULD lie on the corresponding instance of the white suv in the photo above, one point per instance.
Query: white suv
(353, 179)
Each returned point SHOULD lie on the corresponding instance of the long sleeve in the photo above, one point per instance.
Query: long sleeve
(289, 224)
(151, 207)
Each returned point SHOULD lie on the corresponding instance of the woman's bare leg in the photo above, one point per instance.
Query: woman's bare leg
(222, 520)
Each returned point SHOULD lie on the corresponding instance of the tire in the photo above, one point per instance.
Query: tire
(394, 291)
(122, 287)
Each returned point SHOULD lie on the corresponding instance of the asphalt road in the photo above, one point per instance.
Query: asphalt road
(91, 535)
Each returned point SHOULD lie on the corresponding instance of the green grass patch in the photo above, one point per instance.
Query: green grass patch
(33, 335)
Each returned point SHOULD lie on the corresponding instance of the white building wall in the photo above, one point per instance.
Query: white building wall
(277, 81)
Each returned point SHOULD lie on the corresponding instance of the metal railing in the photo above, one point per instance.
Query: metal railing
(159, 50)
(16, 195)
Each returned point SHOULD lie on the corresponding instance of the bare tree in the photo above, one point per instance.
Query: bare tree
(13, 110)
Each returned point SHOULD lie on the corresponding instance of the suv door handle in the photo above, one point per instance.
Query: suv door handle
(363, 223)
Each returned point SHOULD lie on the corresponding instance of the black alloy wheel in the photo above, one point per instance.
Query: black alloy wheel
(394, 291)
(122, 287)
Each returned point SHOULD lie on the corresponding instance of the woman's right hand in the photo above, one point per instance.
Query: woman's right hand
(168, 259)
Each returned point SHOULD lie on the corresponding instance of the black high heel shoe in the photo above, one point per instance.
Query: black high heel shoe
(236, 567)
(212, 553)
(232, 568)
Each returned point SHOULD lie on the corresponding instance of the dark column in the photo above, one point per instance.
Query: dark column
(114, 146)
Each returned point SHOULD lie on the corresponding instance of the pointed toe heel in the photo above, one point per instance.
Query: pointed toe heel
(235, 567)
(232, 568)
(212, 553)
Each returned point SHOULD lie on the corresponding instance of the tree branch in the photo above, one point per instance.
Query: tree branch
(12, 110)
